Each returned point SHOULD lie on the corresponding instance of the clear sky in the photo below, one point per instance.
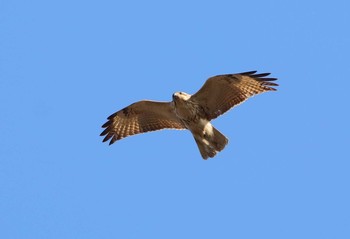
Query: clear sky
(66, 65)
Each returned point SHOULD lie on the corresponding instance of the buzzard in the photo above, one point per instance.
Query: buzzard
(193, 112)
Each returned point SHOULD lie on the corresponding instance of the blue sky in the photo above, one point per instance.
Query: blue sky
(66, 65)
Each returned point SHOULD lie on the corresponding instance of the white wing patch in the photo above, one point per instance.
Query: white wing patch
(207, 127)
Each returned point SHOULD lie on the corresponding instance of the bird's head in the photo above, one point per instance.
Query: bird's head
(181, 96)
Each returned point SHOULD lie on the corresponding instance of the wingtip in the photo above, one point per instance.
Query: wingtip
(113, 140)
(260, 76)
(106, 124)
(248, 73)
(112, 116)
(271, 88)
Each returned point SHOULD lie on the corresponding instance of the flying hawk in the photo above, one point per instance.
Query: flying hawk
(193, 112)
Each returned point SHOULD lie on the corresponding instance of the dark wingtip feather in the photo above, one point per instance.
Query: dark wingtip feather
(105, 125)
(268, 79)
(266, 82)
(108, 136)
(113, 140)
(271, 89)
(104, 132)
(112, 116)
(248, 73)
(261, 75)
(269, 83)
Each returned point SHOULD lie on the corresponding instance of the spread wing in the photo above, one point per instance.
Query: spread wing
(221, 93)
(140, 117)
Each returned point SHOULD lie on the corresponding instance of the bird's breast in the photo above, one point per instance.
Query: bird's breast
(188, 112)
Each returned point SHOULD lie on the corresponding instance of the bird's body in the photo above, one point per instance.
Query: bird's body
(209, 140)
(192, 112)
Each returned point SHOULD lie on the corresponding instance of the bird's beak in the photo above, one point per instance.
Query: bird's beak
(174, 96)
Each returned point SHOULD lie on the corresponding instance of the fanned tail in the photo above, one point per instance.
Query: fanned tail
(211, 143)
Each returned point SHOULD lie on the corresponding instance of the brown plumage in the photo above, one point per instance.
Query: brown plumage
(140, 117)
(193, 112)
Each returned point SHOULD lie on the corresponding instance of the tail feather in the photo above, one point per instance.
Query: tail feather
(210, 144)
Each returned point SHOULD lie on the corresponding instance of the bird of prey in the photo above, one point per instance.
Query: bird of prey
(193, 112)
